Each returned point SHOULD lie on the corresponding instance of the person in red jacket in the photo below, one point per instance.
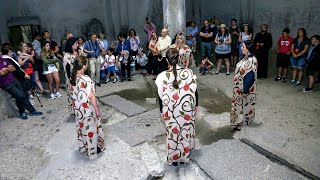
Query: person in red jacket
(283, 54)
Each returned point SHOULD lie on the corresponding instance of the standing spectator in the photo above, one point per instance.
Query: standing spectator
(244, 97)
(299, 50)
(124, 55)
(26, 61)
(81, 46)
(36, 66)
(10, 84)
(234, 31)
(134, 41)
(36, 44)
(64, 43)
(93, 47)
(313, 62)
(178, 99)
(223, 48)
(53, 45)
(104, 43)
(206, 35)
(163, 45)
(153, 55)
(88, 123)
(184, 51)
(245, 36)
(149, 28)
(71, 52)
(263, 43)
(192, 34)
(283, 55)
(50, 69)
(111, 61)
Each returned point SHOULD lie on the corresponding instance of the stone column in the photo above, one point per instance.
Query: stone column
(174, 16)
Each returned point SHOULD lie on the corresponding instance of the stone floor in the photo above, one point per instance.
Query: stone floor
(286, 125)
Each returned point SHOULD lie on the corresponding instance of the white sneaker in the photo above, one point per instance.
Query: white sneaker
(57, 94)
(52, 96)
(31, 96)
(32, 101)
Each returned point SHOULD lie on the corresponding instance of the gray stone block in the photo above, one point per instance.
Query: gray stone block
(303, 155)
(232, 159)
(265, 137)
(138, 129)
(124, 106)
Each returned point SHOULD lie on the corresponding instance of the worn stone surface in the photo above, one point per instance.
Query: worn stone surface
(151, 100)
(231, 159)
(65, 162)
(218, 120)
(151, 159)
(122, 105)
(265, 137)
(303, 154)
(140, 128)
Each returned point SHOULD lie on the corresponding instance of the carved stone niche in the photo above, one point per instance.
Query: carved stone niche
(94, 26)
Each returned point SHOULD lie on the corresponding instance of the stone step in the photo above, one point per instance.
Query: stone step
(124, 106)
(138, 129)
(300, 155)
(232, 159)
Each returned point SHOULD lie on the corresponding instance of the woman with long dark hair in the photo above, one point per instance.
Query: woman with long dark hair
(244, 97)
(87, 111)
(245, 36)
(234, 31)
(223, 48)
(50, 69)
(153, 55)
(177, 90)
(299, 50)
(71, 52)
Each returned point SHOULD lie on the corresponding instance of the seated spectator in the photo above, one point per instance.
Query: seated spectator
(10, 84)
(103, 68)
(312, 62)
(206, 65)
(142, 60)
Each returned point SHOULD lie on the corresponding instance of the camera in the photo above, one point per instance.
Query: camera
(221, 40)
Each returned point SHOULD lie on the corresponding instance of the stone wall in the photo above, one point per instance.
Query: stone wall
(125, 14)
(74, 15)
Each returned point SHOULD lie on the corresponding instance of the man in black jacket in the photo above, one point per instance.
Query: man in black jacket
(263, 43)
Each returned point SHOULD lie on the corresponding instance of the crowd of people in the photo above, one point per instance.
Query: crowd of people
(86, 62)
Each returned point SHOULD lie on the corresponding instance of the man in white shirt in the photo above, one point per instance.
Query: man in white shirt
(163, 45)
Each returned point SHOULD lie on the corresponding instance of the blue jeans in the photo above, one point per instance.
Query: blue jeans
(103, 73)
(22, 100)
(206, 49)
(33, 81)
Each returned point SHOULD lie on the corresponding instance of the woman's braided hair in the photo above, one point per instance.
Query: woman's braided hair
(78, 64)
(172, 56)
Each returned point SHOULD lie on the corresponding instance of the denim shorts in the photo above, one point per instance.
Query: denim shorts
(297, 62)
(111, 69)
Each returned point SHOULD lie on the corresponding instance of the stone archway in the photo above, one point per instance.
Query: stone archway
(94, 26)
